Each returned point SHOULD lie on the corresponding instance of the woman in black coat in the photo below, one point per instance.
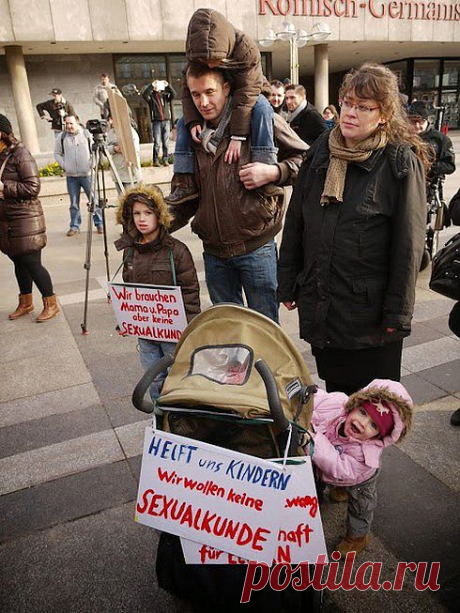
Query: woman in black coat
(354, 235)
(22, 223)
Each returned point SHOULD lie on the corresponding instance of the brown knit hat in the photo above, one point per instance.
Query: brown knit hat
(5, 125)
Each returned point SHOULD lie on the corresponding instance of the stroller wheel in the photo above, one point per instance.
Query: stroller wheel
(425, 260)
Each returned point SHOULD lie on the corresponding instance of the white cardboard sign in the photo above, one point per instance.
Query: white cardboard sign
(228, 500)
(300, 538)
(154, 312)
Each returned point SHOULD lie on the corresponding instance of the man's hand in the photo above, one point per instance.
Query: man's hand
(195, 132)
(233, 152)
(256, 174)
(290, 305)
(117, 149)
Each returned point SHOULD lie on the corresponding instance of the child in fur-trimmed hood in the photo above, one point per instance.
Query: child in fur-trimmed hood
(349, 435)
(152, 256)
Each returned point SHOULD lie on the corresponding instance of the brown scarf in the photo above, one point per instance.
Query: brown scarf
(341, 155)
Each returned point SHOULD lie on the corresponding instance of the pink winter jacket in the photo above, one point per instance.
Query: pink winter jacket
(344, 461)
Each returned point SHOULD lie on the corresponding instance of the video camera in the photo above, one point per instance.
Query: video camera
(97, 126)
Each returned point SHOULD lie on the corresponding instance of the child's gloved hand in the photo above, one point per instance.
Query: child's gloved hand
(233, 152)
(196, 132)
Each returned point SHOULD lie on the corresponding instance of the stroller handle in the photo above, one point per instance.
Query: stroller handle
(147, 406)
(273, 396)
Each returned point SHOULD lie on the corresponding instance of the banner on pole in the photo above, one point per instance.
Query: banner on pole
(154, 312)
(221, 498)
(300, 537)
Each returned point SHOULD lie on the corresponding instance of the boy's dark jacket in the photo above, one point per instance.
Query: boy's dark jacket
(211, 37)
(151, 262)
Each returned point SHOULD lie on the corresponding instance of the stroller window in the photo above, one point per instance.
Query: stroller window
(224, 364)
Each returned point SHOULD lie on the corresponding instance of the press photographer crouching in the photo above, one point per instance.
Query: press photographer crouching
(22, 224)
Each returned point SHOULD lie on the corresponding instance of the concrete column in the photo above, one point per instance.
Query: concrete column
(294, 61)
(321, 77)
(21, 95)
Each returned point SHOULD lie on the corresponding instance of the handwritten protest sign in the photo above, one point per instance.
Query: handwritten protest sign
(300, 538)
(155, 312)
(224, 499)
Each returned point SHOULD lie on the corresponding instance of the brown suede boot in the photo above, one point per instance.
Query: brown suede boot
(25, 306)
(50, 309)
(352, 543)
(338, 494)
(183, 188)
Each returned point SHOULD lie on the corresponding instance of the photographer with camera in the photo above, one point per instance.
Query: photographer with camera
(158, 94)
(72, 151)
(55, 110)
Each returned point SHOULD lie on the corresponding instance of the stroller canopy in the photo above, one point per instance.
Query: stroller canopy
(214, 365)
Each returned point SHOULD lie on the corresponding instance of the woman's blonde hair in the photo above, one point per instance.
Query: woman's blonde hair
(379, 83)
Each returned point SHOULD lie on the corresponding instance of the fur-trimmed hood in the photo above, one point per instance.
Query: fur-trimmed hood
(344, 460)
(150, 195)
(396, 396)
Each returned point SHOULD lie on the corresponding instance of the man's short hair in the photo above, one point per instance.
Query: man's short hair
(103, 75)
(297, 89)
(74, 116)
(276, 83)
(197, 70)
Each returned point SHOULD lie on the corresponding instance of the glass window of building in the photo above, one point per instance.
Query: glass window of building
(134, 72)
(426, 81)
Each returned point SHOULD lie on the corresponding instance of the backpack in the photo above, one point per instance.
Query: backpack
(445, 275)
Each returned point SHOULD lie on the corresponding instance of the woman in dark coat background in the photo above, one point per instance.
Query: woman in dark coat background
(22, 223)
(354, 235)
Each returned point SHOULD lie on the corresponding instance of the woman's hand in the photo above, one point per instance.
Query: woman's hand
(196, 132)
(290, 305)
(233, 152)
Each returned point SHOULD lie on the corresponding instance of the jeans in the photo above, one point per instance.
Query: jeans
(262, 139)
(28, 270)
(149, 353)
(255, 273)
(160, 132)
(74, 187)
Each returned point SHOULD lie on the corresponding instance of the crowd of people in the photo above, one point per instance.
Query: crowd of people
(353, 236)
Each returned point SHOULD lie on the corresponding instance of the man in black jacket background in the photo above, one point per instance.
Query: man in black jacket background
(55, 110)
(158, 94)
(441, 144)
(302, 116)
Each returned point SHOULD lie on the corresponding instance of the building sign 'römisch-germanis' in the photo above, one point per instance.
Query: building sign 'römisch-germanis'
(395, 9)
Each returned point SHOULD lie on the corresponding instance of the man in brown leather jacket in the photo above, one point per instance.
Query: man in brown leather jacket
(236, 222)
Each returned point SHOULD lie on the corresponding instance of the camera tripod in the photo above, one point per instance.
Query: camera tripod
(98, 199)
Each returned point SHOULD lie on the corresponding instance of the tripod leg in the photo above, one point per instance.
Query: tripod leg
(89, 236)
(104, 229)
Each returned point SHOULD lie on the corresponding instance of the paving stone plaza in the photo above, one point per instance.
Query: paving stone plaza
(70, 444)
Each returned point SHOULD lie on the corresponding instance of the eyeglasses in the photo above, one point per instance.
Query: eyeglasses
(360, 108)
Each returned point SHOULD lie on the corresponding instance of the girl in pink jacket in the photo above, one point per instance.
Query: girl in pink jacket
(349, 436)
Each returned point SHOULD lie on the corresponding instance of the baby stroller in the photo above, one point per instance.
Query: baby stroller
(236, 381)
